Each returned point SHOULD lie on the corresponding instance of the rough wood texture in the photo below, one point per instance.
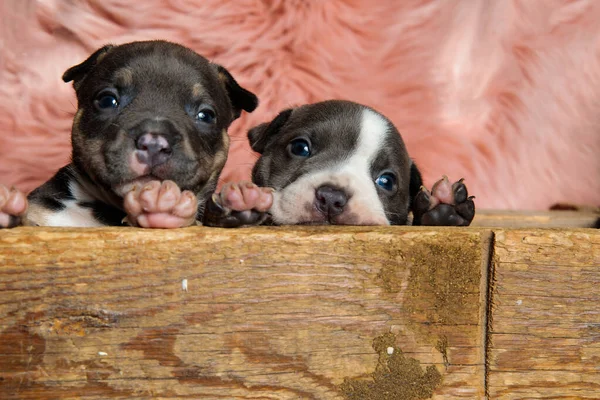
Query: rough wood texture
(544, 339)
(534, 219)
(268, 313)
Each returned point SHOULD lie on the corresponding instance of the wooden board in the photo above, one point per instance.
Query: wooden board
(535, 219)
(544, 339)
(261, 313)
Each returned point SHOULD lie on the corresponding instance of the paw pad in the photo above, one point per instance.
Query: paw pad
(446, 205)
(239, 203)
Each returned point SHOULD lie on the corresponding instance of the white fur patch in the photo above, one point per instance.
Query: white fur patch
(74, 215)
(294, 203)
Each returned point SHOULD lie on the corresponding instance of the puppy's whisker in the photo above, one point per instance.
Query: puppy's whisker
(288, 181)
(74, 107)
(69, 113)
(256, 157)
(391, 214)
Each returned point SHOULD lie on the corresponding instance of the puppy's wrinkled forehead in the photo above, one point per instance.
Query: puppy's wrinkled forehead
(334, 128)
(153, 67)
(345, 130)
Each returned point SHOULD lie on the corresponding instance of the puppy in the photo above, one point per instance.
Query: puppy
(149, 141)
(336, 162)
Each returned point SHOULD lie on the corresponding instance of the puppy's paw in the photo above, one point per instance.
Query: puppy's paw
(238, 204)
(245, 196)
(13, 206)
(160, 205)
(446, 205)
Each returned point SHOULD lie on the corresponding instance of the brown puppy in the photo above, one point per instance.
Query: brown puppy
(149, 141)
(341, 163)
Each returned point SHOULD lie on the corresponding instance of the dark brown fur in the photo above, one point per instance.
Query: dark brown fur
(153, 79)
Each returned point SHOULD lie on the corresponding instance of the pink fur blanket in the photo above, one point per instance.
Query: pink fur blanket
(504, 93)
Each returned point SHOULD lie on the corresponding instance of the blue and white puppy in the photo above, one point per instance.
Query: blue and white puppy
(341, 163)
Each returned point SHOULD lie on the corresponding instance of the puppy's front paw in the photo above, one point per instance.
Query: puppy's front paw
(13, 206)
(245, 196)
(160, 205)
(446, 205)
(238, 204)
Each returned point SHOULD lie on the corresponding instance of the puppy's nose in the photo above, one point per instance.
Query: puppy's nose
(154, 149)
(330, 201)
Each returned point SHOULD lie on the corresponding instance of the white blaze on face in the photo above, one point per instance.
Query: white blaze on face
(294, 203)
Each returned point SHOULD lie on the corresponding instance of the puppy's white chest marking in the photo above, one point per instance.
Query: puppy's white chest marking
(73, 214)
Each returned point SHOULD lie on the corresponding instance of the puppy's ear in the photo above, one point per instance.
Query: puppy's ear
(416, 181)
(80, 71)
(259, 135)
(241, 99)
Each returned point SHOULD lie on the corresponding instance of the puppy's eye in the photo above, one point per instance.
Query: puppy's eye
(206, 115)
(106, 101)
(386, 181)
(300, 148)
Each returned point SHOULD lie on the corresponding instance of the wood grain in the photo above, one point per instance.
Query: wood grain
(534, 219)
(544, 339)
(269, 313)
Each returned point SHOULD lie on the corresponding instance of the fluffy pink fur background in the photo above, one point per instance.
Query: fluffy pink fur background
(504, 93)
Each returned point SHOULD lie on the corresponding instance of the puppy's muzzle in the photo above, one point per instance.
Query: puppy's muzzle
(154, 141)
(330, 201)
